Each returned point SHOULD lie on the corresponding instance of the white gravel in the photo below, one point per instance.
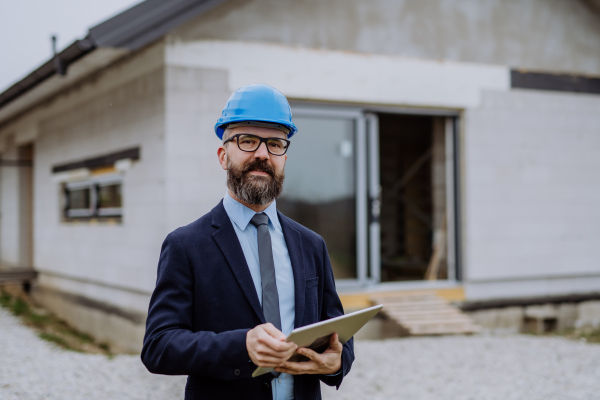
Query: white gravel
(476, 367)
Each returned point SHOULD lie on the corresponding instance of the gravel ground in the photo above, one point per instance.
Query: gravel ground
(476, 367)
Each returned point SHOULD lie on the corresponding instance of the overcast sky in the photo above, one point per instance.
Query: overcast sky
(27, 25)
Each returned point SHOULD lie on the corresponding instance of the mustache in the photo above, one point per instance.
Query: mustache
(259, 165)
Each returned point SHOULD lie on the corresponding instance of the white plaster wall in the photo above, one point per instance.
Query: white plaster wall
(338, 76)
(123, 255)
(531, 193)
(195, 181)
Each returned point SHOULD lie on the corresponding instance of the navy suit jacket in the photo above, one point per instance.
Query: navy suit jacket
(205, 302)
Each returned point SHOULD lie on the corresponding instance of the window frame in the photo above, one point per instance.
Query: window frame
(94, 211)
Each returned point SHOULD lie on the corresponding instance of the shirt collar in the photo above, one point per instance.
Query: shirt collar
(241, 215)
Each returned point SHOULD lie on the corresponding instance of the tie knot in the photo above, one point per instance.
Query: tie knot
(259, 219)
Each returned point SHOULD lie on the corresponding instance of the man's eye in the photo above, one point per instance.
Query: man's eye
(247, 141)
(276, 145)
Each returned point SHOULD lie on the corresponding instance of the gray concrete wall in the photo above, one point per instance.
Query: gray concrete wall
(551, 35)
(124, 253)
(98, 275)
(531, 194)
(530, 319)
(195, 181)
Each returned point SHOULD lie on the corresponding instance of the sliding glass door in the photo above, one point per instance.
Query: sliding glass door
(379, 188)
(324, 187)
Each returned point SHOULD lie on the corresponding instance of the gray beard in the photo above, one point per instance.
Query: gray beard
(253, 189)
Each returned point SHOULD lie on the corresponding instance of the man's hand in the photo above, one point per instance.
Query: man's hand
(267, 346)
(329, 362)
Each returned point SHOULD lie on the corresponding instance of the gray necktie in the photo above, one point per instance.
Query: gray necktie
(270, 297)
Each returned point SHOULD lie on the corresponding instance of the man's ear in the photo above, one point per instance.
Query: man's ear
(222, 155)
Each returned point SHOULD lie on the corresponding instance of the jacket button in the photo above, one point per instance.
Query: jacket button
(237, 372)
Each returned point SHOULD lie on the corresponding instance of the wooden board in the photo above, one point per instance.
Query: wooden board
(425, 313)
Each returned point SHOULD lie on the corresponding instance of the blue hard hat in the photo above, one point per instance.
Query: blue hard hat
(257, 102)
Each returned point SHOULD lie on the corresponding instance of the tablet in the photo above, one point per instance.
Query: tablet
(316, 336)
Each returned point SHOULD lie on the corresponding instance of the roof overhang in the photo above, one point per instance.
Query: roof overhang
(106, 42)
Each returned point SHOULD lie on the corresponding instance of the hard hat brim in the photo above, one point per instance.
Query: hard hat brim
(222, 124)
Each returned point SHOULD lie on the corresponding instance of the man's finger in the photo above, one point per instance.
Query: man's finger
(277, 345)
(308, 352)
(297, 367)
(274, 332)
(335, 343)
(267, 361)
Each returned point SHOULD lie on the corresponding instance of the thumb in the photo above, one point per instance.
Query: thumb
(334, 342)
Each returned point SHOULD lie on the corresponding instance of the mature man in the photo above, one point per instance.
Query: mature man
(233, 284)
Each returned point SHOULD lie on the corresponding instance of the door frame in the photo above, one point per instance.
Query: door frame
(368, 191)
(360, 140)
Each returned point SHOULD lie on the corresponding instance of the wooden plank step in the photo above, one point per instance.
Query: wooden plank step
(417, 307)
(409, 299)
(425, 314)
(408, 293)
(422, 306)
(445, 331)
(425, 324)
(439, 321)
(416, 303)
(409, 319)
(441, 311)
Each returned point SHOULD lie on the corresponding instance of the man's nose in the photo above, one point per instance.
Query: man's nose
(262, 152)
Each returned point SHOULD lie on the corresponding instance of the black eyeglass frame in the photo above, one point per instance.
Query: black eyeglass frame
(261, 140)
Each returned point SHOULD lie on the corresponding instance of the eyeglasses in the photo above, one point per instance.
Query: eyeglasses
(251, 143)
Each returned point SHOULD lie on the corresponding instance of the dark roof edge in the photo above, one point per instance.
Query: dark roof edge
(69, 55)
(132, 29)
(148, 21)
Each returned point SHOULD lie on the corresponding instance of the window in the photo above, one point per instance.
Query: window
(99, 197)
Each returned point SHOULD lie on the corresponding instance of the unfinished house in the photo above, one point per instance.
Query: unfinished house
(457, 158)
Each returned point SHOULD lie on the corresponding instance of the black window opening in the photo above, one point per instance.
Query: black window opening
(93, 198)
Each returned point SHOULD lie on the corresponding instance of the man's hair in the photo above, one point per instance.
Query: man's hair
(226, 133)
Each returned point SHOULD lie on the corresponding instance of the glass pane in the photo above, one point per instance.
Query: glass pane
(109, 196)
(79, 199)
(319, 188)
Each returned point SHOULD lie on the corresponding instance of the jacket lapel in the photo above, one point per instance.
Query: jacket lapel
(293, 241)
(229, 244)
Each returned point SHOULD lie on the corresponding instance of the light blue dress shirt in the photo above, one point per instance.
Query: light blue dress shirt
(240, 216)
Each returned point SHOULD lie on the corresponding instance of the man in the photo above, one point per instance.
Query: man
(233, 284)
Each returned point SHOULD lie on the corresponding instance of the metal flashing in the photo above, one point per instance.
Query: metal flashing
(554, 82)
(98, 162)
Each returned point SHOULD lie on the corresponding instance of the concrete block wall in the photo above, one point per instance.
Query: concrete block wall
(122, 254)
(195, 181)
(533, 34)
(90, 269)
(542, 318)
(531, 195)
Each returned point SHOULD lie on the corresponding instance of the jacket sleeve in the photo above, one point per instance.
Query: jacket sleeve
(171, 347)
(332, 307)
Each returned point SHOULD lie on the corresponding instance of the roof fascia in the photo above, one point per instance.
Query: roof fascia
(132, 29)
